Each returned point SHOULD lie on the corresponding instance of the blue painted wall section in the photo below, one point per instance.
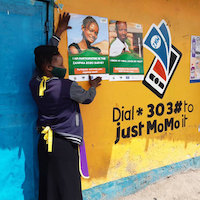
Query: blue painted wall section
(22, 29)
(130, 185)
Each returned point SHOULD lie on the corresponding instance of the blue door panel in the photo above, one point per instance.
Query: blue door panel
(21, 30)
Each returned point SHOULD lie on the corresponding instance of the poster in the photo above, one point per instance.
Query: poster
(126, 51)
(194, 59)
(87, 47)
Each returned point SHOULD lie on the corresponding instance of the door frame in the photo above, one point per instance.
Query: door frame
(49, 23)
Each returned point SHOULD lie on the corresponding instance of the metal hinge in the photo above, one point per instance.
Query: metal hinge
(46, 27)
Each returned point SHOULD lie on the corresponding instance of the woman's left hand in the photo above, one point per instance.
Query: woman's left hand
(63, 24)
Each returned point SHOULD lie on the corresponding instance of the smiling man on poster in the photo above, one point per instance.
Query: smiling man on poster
(119, 46)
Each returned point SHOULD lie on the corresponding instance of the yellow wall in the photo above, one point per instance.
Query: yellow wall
(108, 161)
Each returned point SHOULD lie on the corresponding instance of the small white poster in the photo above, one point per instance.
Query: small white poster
(195, 59)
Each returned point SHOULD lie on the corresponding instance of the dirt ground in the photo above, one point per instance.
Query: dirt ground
(182, 186)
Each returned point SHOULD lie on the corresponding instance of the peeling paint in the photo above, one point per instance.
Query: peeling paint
(55, 5)
(60, 6)
(129, 185)
(32, 2)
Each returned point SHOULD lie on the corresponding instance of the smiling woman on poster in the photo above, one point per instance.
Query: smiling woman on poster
(90, 30)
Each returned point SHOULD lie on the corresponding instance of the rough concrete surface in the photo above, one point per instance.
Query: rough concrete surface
(182, 186)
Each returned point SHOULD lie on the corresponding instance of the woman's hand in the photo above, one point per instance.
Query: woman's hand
(95, 82)
(63, 24)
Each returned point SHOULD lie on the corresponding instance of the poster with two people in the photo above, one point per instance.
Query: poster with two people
(112, 50)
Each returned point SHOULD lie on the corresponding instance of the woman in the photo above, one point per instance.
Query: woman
(59, 121)
(90, 30)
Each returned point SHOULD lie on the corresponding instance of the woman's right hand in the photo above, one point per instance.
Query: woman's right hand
(63, 24)
(95, 82)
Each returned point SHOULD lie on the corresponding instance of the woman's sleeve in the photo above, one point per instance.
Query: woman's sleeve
(78, 94)
(54, 41)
